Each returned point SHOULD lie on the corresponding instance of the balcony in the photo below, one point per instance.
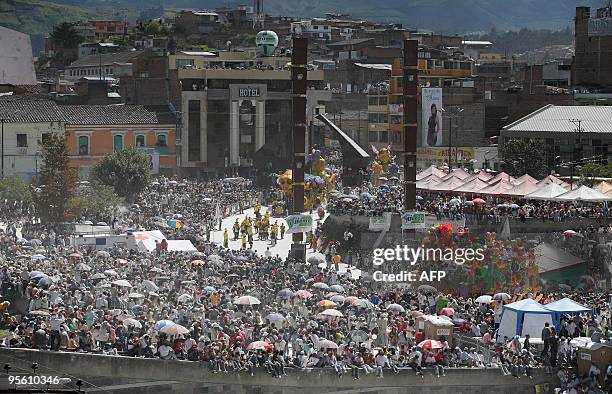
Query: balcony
(252, 74)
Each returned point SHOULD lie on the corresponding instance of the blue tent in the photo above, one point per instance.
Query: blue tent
(565, 306)
(524, 317)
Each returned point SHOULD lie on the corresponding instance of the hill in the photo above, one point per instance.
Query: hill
(37, 17)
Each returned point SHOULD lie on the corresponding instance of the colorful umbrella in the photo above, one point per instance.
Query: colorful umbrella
(259, 345)
(479, 201)
(338, 299)
(327, 303)
(430, 344)
(174, 223)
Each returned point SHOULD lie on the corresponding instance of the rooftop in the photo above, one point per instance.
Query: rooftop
(15, 109)
(352, 41)
(111, 114)
(105, 58)
(555, 119)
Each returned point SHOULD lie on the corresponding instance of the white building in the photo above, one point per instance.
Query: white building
(16, 60)
(26, 123)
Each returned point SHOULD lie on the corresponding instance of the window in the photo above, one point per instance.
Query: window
(45, 138)
(22, 141)
(382, 100)
(140, 140)
(161, 140)
(182, 63)
(117, 143)
(373, 100)
(83, 145)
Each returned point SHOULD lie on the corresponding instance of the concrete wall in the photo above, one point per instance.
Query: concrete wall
(191, 377)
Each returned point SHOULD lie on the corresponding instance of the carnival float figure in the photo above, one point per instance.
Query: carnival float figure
(317, 184)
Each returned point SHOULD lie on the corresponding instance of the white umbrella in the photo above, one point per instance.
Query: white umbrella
(331, 313)
(327, 344)
(111, 273)
(484, 299)
(130, 322)
(135, 295)
(320, 285)
(174, 329)
(185, 298)
(148, 285)
(122, 283)
(103, 253)
(83, 267)
(98, 276)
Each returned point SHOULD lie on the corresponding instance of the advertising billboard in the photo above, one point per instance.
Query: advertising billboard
(431, 111)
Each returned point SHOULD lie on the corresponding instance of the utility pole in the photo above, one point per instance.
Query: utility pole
(299, 77)
(410, 76)
(579, 129)
(2, 160)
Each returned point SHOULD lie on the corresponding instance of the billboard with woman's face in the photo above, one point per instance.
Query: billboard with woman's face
(432, 116)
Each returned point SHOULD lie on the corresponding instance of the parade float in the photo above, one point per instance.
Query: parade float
(318, 183)
(383, 167)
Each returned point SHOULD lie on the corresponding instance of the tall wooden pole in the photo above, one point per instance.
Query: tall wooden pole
(299, 78)
(410, 68)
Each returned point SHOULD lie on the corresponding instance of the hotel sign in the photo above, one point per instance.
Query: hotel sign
(599, 27)
(249, 92)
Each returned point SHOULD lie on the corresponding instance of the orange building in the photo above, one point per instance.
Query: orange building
(96, 130)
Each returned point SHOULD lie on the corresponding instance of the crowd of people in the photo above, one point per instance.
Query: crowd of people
(239, 311)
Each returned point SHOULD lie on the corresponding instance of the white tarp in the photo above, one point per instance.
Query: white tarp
(547, 192)
(583, 193)
(145, 240)
(181, 245)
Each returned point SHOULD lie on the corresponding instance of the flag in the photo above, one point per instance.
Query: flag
(217, 211)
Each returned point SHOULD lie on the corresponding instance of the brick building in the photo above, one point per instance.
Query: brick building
(593, 55)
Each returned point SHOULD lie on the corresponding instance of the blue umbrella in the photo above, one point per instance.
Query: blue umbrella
(163, 323)
(39, 276)
(275, 317)
(209, 289)
(366, 195)
(285, 294)
(38, 257)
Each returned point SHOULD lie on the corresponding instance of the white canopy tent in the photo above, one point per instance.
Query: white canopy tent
(546, 192)
(524, 317)
(583, 193)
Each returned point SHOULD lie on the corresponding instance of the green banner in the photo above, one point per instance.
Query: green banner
(299, 224)
(413, 220)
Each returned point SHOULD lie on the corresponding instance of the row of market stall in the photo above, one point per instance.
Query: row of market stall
(550, 188)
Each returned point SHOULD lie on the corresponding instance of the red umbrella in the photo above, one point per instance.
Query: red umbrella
(447, 312)
(479, 201)
(259, 345)
(569, 233)
(430, 344)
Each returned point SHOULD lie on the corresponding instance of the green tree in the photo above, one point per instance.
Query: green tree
(127, 171)
(14, 189)
(57, 181)
(96, 201)
(522, 157)
(590, 171)
(66, 35)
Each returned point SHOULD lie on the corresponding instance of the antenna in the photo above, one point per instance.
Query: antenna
(258, 13)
